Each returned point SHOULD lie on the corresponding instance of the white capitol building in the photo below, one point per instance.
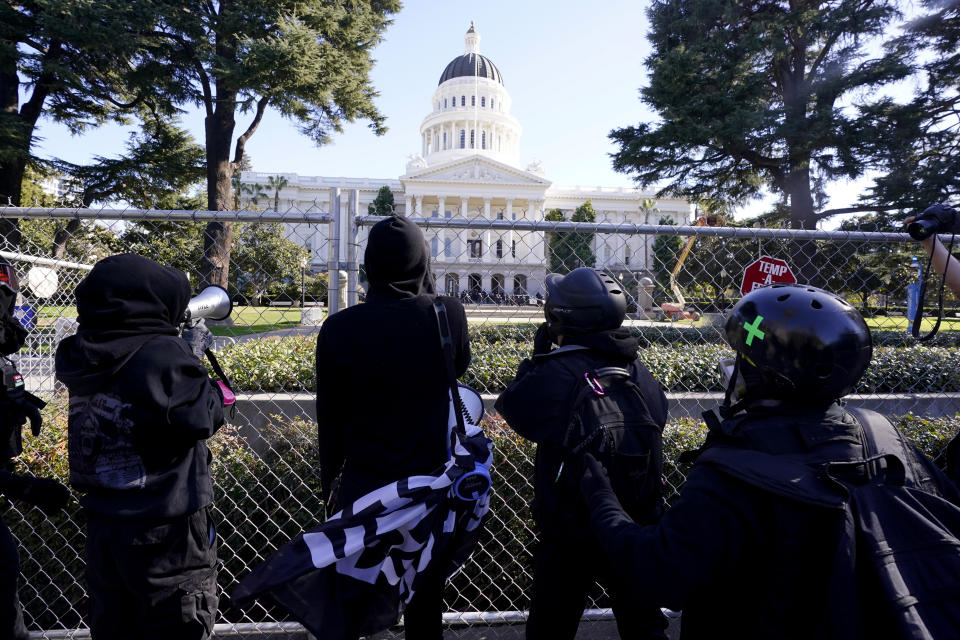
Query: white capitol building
(469, 166)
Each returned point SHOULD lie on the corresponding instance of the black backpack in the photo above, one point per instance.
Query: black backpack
(897, 569)
(610, 420)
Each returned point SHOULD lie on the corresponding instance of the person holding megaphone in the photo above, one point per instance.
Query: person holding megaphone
(925, 227)
(141, 407)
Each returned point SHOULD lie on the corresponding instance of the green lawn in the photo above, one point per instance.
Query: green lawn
(246, 319)
(899, 323)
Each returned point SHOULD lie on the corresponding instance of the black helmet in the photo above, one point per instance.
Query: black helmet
(806, 344)
(583, 301)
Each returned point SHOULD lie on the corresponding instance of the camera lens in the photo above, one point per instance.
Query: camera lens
(923, 228)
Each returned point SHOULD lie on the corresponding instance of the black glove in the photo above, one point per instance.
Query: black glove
(542, 342)
(46, 493)
(198, 337)
(593, 479)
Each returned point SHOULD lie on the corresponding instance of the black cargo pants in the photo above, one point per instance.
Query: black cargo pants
(152, 579)
(11, 615)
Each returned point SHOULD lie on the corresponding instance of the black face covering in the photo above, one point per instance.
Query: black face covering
(12, 333)
(397, 261)
(125, 301)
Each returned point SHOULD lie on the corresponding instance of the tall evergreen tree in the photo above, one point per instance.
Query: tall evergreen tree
(918, 141)
(383, 204)
(308, 59)
(750, 95)
(65, 60)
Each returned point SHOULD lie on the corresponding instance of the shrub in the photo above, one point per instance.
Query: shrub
(287, 364)
(266, 497)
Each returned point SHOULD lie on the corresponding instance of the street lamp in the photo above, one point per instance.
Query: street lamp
(303, 283)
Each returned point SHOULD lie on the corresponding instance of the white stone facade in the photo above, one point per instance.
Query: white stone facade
(468, 167)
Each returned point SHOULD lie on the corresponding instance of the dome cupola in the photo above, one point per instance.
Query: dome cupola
(471, 63)
(471, 112)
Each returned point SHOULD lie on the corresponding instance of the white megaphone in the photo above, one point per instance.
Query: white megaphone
(212, 303)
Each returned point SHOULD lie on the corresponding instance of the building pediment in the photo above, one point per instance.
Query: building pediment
(474, 170)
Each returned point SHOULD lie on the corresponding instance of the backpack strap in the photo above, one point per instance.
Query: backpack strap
(883, 440)
(776, 474)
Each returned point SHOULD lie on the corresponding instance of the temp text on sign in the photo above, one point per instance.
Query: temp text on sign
(763, 271)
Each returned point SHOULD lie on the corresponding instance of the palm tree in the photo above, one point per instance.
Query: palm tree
(276, 183)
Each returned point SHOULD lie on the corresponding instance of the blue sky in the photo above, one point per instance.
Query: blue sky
(573, 70)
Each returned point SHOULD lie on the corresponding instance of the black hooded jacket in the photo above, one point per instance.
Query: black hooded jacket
(538, 405)
(741, 561)
(382, 403)
(141, 403)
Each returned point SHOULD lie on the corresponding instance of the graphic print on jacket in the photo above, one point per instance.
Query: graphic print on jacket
(101, 448)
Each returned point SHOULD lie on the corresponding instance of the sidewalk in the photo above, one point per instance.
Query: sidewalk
(589, 630)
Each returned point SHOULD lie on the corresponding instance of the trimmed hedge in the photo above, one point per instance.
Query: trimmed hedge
(287, 364)
(263, 500)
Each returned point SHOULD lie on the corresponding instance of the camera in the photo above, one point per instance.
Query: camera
(938, 218)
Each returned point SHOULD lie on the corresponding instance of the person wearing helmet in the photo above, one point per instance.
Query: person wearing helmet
(739, 559)
(584, 311)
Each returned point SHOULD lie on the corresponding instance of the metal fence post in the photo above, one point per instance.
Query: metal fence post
(333, 262)
(350, 229)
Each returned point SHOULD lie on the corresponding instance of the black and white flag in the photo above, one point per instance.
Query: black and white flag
(352, 572)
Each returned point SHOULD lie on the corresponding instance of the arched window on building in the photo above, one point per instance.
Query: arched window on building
(448, 247)
(473, 100)
(473, 139)
(463, 137)
(475, 282)
(496, 284)
(475, 248)
(434, 246)
(452, 284)
(491, 103)
(519, 285)
(483, 139)
(499, 248)
(483, 101)
(463, 101)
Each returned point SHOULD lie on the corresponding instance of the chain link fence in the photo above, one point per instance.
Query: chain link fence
(287, 271)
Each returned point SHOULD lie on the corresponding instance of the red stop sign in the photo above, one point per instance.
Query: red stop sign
(764, 271)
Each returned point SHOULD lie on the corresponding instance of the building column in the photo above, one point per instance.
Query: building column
(408, 208)
(536, 248)
(509, 237)
(490, 256)
(463, 208)
(441, 233)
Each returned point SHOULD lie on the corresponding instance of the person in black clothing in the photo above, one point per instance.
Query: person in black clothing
(382, 392)
(739, 560)
(16, 407)
(584, 311)
(141, 406)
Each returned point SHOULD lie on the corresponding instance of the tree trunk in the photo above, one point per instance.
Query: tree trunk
(11, 170)
(62, 236)
(802, 216)
(218, 235)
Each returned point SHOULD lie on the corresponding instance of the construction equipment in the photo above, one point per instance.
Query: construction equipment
(678, 310)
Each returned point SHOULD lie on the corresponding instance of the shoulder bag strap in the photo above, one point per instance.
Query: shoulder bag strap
(446, 345)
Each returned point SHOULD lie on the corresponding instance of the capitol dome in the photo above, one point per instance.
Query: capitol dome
(471, 111)
(471, 63)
